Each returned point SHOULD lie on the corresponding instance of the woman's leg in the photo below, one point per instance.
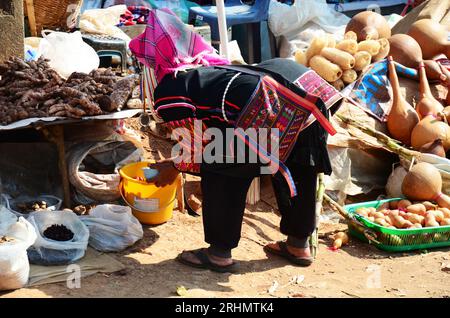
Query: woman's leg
(298, 215)
(223, 206)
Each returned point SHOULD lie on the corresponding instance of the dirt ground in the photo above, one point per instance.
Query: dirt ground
(357, 270)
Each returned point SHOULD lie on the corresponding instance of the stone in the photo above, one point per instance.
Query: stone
(11, 29)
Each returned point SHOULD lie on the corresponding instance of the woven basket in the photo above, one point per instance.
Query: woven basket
(55, 14)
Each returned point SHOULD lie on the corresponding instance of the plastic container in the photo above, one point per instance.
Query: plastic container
(149, 204)
(395, 240)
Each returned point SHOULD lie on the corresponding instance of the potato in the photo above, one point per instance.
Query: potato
(445, 222)
(389, 219)
(418, 225)
(430, 220)
(349, 76)
(362, 60)
(371, 46)
(446, 212)
(393, 205)
(377, 215)
(362, 211)
(429, 206)
(403, 204)
(407, 224)
(344, 60)
(339, 84)
(438, 215)
(418, 208)
(371, 218)
(399, 221)
(371, 210)
(382, 222)
(326, 69)
(349, 46)
(415, 218)
(394, 212)
(341, 235)
(300, 58)
(316, 46)
(350, 35)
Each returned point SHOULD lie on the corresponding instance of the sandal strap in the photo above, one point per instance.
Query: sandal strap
(202, 256)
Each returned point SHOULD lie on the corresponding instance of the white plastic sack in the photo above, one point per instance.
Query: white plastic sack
(50, 252)
(14, 265)
(289, 20)
(104, 21)
(112, 228)
(68, 53)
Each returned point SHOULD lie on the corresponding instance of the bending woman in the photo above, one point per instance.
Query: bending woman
(194, 84)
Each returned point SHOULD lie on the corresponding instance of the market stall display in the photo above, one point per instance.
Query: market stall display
(61, 238)
(431, 36)
(369, 25)
(24, 205)
(401, 111)
(342, 61)
(33, 89)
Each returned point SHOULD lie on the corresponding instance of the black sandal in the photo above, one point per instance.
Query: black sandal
(283, 252)
(205, 262)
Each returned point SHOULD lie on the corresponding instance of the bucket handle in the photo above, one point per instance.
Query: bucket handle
(131, 205)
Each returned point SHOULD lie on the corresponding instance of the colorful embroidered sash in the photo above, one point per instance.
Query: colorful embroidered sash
(271, 106)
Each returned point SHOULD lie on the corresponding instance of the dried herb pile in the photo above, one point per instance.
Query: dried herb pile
(34, 89)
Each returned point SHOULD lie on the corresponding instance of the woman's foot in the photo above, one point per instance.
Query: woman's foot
(298, 252)
(297, 256)
(201, 258)
(191, 257)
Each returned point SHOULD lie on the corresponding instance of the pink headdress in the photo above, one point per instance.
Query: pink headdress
(169, 46)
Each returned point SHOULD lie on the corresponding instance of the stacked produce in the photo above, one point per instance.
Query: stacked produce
(365, 42)
(33, 89)
(425, 206)
(404, 214)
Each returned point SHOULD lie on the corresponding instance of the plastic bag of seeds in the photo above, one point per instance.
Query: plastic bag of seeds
(112, 228)
(15, 237)
(61, 238)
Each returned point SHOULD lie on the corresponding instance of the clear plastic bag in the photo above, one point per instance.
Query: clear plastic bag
(68, 52)
(50, 252)
(112, 228)
(14, 265)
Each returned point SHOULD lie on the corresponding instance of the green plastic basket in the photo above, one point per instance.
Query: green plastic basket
(394, 240)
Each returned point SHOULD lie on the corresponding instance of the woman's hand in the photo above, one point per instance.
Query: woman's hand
(167, 173)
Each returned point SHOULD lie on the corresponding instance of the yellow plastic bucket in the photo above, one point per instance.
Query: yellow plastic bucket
(149, 204)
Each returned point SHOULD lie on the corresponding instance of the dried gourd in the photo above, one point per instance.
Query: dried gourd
(362, 60)
(339, 84)
(300, 57)
(316, 46)
(350, 35)
(371, 46)
(349, 46)
(349, 76)
(343, 59)
(326, 69)
(384, 50)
